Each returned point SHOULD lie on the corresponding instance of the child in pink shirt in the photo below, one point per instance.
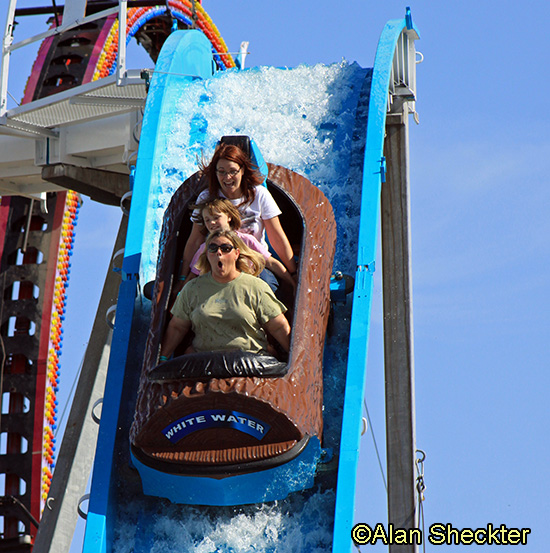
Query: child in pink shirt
(221, 214)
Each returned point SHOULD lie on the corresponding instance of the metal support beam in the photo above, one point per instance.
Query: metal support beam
(74, 11)
(4, 66)
(121, 52)
(32, 131)
(106, 187)
(78, 447)
(398, 332)
(27, 229)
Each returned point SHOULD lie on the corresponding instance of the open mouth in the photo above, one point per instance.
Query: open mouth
(220, 264)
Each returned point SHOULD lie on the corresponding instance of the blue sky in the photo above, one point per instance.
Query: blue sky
(480, 200)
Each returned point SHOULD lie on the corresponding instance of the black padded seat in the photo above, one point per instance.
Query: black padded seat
(218, 364)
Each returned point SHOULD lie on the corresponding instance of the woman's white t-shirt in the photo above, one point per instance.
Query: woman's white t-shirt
(253, 214)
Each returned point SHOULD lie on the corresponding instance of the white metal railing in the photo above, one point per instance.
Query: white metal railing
(6, 50)
(73, 20)
(402, 84)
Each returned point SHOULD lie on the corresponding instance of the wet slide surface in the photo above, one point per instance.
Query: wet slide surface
(311, 120)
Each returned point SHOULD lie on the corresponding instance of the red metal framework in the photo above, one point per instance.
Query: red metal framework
(89, 52)
(38, 238)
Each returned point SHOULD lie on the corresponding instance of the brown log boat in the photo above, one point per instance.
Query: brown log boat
(224, 415)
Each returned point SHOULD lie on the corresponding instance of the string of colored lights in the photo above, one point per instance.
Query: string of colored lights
(137, 17)
(69, 222)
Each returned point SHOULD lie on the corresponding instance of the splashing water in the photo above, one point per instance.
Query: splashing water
(301, 118)
(273, 528)
(306, 119)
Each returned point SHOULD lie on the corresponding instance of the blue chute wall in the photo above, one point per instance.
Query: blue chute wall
(362, 296)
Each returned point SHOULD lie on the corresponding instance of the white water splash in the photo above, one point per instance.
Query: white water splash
(281, 527)
(301, 118)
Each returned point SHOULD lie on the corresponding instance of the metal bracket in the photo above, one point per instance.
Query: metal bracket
(116, 255)
(95, 418)
(85, 497)
(111, 320)
(367, 267)
(340, 286)
(126, 199)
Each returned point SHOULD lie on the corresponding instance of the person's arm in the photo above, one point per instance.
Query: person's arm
(278, 269)
(189, 277)
(279, 328)
(175, 333)
(196, 238)
(280, 243)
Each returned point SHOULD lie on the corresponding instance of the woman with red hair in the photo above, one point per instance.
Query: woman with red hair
(232, 175)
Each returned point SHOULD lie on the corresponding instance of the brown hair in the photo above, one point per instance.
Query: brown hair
(248, 261)
(251, 175)
(220, 205)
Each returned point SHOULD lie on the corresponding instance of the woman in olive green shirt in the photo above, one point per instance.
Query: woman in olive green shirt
(227, 307)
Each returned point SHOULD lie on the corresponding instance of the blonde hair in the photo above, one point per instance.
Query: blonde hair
(248, 261)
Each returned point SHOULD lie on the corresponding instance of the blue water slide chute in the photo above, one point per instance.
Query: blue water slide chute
(373, 171)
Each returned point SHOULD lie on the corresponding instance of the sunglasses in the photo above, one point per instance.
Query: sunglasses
(225, 248)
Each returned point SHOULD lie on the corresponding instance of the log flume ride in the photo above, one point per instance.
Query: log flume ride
(217, 442)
